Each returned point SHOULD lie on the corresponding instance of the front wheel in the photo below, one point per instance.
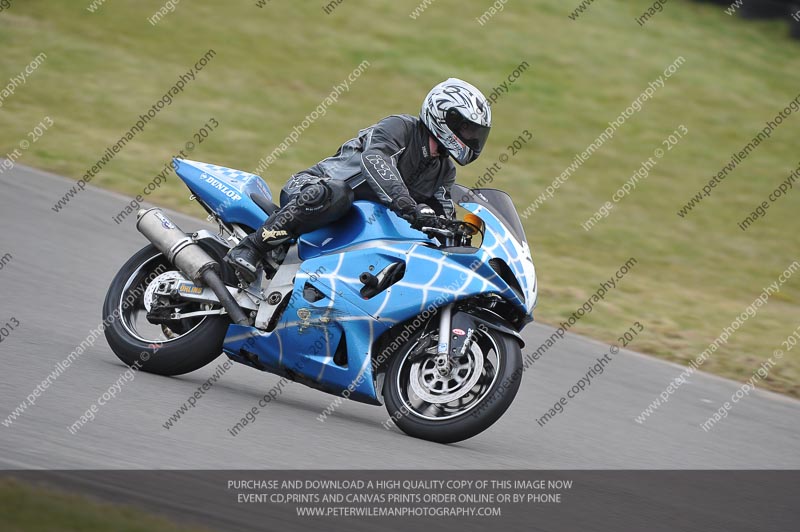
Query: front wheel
(459, 401)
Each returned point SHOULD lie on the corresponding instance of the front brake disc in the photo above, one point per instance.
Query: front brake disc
(430, 386)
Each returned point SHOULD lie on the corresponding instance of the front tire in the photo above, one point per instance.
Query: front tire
(446, 409)
(180, 347)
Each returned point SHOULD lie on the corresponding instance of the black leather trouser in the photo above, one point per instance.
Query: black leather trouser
(313, 205)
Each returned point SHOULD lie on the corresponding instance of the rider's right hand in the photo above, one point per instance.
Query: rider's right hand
(422, 216)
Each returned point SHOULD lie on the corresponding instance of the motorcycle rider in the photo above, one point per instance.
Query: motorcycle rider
(402, 162)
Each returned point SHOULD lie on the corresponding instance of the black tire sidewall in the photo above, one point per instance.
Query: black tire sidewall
(183, 355)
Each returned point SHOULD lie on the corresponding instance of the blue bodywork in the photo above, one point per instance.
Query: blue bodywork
(369, 238)
(225, 190)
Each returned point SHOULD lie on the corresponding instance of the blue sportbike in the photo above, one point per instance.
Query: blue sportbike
(424, 321)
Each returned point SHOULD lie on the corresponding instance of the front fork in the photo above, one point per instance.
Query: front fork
(443, 364)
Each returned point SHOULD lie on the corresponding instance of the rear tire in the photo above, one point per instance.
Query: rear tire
(484, 401)
(193, 344)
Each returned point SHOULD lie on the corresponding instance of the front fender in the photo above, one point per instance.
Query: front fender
(474, 318)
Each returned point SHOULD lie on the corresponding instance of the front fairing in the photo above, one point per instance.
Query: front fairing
(504, 236)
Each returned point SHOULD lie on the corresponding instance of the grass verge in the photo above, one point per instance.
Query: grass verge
(29, 508)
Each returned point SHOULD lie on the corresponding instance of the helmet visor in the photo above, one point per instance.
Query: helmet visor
(472, 134)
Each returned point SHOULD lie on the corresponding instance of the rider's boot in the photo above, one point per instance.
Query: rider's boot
(246, 257)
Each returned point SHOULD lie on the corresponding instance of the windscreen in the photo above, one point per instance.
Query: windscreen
(496, 201)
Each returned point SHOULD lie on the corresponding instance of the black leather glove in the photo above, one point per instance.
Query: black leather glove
(423, 216)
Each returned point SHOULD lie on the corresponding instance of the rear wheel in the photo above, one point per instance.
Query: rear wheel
(172, 348)
(451, 404)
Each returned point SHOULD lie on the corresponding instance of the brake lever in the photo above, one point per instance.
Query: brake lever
(437, 231)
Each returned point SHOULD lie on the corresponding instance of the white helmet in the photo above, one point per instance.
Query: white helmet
(458, 115)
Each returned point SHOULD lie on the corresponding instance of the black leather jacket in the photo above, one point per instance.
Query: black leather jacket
(389, 163)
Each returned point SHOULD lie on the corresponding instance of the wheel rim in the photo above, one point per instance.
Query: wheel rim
(133, 315)
(427, 394)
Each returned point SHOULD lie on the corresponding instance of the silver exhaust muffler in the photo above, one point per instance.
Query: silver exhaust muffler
(177, 246)
(182, 251)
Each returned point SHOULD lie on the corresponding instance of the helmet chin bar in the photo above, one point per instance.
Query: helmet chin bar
(461, 153)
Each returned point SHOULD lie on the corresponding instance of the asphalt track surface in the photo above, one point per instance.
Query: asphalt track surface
(55, 284)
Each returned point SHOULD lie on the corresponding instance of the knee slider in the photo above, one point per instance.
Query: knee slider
(314, 197)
